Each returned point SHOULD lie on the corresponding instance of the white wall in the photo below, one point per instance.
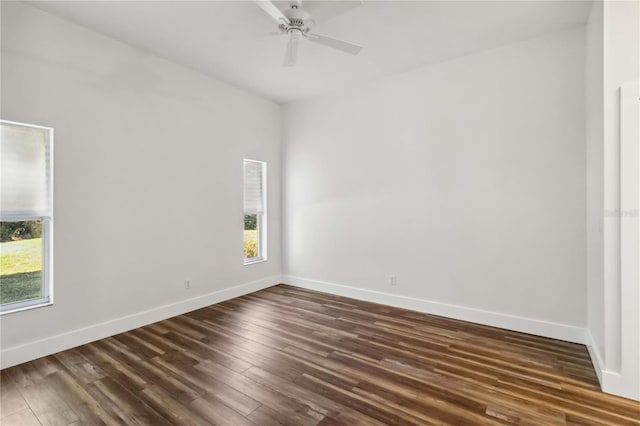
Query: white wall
(622, 60)
(595, 178)
(148, 176)
(613, 303)
(465, 179)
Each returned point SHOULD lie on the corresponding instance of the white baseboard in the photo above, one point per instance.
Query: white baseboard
(610, 381)
(39, 348)
(616, 383)
(596, 358)
(553, 330)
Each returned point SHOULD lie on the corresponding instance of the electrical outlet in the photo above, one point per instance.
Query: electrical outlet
(393, 280)
(187, 285)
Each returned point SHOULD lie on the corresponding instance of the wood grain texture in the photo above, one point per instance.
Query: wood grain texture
(288, 356)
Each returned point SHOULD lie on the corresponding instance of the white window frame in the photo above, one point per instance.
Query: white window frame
(47, 238)
(261, 217)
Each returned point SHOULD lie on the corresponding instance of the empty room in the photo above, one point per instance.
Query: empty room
(296, 212)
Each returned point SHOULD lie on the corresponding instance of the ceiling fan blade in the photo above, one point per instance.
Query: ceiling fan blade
(344, 46)
(272, 11)
(291, 54)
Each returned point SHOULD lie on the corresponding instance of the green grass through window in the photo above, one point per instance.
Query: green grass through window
(250, 243)
(20, 270)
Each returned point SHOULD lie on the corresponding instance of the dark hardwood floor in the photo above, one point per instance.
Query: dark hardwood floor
(296, 357)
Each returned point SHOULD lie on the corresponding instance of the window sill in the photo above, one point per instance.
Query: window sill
(26, 308)
(254, 260)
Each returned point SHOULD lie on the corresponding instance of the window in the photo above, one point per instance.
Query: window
(255, 211)
(26, 214)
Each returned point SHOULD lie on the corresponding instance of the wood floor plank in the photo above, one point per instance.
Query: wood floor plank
(265, 416)
(79, 367)
(169, 408)
(11, 401)
(290, 356)
(357, 402)
(79, 400)
(218, 412)
(24, 417)
(296, 412)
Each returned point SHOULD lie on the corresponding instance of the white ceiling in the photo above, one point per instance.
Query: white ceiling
(228, 40)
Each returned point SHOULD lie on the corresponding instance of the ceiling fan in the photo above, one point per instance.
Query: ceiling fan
(296, 23)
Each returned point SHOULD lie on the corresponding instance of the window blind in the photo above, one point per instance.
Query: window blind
(25, 177)
(253, 187)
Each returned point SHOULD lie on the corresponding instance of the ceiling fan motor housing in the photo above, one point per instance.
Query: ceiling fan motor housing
(299, 20)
